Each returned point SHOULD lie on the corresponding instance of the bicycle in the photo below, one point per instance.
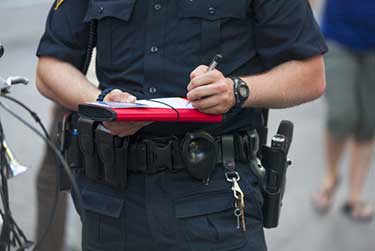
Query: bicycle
(11, 235)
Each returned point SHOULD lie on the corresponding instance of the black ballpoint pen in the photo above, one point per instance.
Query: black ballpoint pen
(214, 63)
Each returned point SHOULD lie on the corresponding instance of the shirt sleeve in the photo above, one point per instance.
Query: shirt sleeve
(66, 35)
(286, 30)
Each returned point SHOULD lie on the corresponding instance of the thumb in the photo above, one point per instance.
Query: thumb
(119, 96)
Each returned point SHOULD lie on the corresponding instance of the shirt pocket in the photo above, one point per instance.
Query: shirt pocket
(114, 29)
(207, 222)
(105, 219)
(202, 22)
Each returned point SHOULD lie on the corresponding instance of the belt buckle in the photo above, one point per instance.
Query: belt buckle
(158, 158)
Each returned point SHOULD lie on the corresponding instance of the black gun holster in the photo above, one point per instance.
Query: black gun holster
(275, 163)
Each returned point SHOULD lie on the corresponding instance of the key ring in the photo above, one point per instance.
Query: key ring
(237, 212)
(230, 178)
(237, 191)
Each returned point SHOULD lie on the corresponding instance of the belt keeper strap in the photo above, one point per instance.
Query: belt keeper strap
(227, 150)
(105, 144)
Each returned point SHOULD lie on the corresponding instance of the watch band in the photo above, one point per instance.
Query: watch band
(237, 84)
(102, 95)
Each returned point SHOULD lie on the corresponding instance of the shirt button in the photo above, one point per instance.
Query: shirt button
(154, 49)
(157, 6)
(100, 10)
(152, 90)
(211, 10)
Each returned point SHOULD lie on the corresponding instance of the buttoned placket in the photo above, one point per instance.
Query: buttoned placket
(153, 48)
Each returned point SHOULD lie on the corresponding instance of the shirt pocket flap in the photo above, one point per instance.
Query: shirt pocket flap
(102, 203)
(212, 10)
(118, 9)
(204, 203)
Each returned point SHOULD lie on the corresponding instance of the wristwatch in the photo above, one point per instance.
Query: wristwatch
(241, 91)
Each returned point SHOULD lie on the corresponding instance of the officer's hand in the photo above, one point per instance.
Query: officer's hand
(122, 129)
(210, 92)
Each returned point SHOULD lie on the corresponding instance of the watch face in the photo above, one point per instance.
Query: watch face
(243, 91)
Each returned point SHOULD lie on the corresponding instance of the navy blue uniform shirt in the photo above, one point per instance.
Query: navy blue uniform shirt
(149, 47)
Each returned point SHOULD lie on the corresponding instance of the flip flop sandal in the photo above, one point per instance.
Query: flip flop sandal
(359, 211)
(322, 200)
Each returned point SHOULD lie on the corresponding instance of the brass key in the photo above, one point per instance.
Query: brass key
(242, 206)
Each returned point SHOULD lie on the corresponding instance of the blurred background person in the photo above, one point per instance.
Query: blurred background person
(46, 193)
(349, 27)
(46, 187)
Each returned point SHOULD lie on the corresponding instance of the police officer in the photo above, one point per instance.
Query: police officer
(272, 57)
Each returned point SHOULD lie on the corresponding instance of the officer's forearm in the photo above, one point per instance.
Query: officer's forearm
(288, 84)
(63, 83)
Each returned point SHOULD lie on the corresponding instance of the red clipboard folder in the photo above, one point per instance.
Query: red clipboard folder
(103, 113)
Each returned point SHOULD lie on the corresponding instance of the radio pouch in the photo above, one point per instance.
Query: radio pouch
(91, 162)
(113, 152)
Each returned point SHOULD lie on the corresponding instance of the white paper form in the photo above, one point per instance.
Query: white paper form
(175, 102)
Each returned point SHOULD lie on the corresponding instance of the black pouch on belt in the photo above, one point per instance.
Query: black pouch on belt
(199, 152)
(113, 152)
(91, 162)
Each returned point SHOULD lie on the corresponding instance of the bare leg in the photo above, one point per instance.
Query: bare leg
(355, 207)
(361, 156)
(333, 152)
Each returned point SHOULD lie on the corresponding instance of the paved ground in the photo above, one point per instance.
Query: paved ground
(21, 24)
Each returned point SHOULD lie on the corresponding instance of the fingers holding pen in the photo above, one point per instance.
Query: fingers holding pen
(201, 69)
(210, 92)
(203, 74)
(207, 90)
(204, 78)
(215, 104)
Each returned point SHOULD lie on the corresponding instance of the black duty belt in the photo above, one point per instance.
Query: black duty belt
(108, 158)
(153, 155)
